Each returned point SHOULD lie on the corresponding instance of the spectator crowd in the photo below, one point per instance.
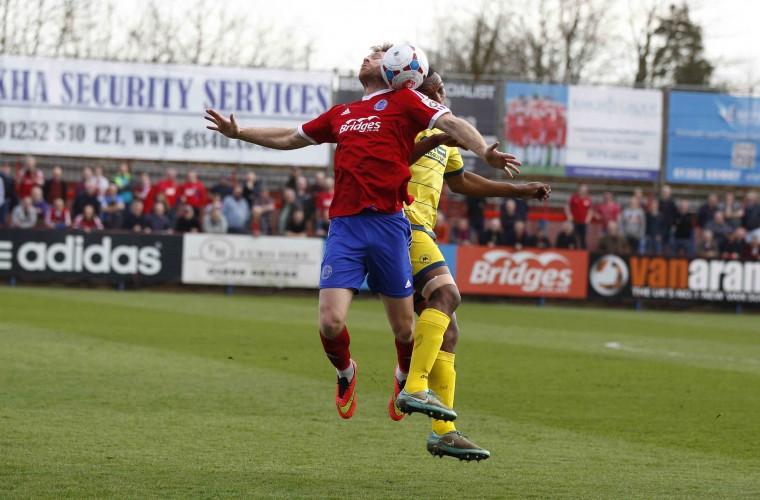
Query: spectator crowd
(31, 198)
(727, 227)
(724, 226)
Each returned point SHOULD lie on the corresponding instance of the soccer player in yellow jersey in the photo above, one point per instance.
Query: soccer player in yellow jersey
(435, 160)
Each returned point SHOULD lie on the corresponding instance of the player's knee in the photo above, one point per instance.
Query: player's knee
(403, 329)
(446, 299)
(330, 323)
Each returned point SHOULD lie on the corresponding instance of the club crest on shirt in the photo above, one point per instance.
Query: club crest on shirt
(326, 272)
(381, 105)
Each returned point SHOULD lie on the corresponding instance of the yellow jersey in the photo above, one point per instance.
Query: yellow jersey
(428, 174)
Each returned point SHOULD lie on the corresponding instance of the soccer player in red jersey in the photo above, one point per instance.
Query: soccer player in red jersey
(369, 234)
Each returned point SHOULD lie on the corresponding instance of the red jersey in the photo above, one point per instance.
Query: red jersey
(322, 203)
(375, 138)
(579, 208)
(194, 194)
(26, 182)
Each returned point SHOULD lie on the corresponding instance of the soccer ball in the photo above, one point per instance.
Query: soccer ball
(404, 66)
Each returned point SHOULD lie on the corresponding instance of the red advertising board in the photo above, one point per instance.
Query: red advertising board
(522, 273)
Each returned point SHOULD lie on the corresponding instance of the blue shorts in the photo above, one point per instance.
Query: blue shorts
(371, 245)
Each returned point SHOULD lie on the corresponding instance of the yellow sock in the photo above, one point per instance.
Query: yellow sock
(442, 381)
(428, 337)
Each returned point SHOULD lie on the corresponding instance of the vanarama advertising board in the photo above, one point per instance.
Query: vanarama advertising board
(703, 280)
(523, 273)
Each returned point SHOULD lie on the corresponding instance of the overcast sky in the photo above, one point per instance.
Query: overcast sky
(342, 30)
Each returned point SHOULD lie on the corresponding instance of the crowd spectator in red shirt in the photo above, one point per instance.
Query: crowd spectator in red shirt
(143, 189)
(193, 193)
(608, 210)
(322, 202)
(56, 187)
(29, 177)
(579, 211)
(58, 216)
(88, 220)
(166, 186)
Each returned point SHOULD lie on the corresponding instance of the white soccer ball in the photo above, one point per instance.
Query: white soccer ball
(404, 66)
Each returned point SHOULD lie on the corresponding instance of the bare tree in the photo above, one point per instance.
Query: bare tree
(205, 32)
(540, 39)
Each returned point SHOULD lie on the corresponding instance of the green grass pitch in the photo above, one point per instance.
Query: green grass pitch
(148, 394)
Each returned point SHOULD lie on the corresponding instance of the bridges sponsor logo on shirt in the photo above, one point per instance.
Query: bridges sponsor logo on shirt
(367, 124)
(530, 273)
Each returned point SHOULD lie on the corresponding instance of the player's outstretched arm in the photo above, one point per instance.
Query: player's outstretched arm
(472, 184)
(431, 142)
(468, 136)
(270, 137)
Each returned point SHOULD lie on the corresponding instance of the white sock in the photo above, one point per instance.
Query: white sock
(400, 376)
(347, 373)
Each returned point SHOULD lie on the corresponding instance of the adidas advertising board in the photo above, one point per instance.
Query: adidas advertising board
(106, 257)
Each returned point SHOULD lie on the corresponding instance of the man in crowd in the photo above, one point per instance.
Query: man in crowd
(579, 211)
(614, 242)
(24, 216)
(669, 212)
(55, 187)
(135, 220)
(237, 212)
(608, 209)
(633, 223)
(193, 193)
(29, 177)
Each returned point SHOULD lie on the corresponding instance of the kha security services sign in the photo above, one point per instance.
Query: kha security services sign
(141, 111)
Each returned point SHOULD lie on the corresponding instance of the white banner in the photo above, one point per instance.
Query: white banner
(142, 111)
(223, 259)
(613, 128)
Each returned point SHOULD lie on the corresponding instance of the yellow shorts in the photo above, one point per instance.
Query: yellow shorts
(424, 254)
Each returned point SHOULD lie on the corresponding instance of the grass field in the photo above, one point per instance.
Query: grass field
(147, 394)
